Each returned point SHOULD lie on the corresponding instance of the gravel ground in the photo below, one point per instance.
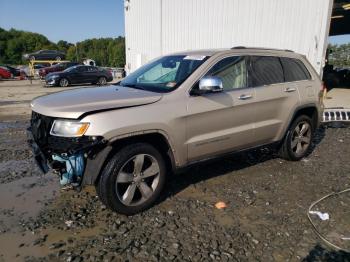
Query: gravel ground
(265, 219)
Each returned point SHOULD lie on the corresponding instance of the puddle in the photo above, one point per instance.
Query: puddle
(24, 198)
(21, 200)
(17, 246)
(13, 244)
(5, 103)
(13, 125)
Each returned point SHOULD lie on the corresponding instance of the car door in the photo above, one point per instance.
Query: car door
(92, 74)
(44, 55)
(77, 75)
(222, 122)
(275, 99)
(50, 55)
(39, 55)
(298, 75)
(83, 76)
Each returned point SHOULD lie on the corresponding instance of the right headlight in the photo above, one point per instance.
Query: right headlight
(66, 128)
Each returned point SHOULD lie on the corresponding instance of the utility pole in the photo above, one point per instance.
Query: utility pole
(76, 51)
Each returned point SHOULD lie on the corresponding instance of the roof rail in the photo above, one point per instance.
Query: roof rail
(262, 48)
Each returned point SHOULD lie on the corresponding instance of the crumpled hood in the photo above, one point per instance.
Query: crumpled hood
(74, 103)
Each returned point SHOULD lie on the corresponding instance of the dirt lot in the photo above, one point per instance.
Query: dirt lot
(265, 219)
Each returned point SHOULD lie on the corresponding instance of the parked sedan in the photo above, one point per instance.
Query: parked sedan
(4, 73)
(13, 71)
(80, 74)
(56, 68)
(45, 55)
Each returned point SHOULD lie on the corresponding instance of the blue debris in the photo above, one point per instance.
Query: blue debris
(74, 167)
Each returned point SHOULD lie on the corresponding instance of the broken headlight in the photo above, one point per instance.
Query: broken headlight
(68, 128)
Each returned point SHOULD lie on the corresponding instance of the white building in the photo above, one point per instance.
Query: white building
(157, 27)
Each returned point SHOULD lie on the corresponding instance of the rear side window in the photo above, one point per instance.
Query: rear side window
(265, 70)
(91, 69)
(294, 70)
(82, 69)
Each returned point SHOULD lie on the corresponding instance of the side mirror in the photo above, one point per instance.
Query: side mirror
(210, 84)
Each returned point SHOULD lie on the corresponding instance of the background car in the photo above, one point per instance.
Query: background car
(45, 55)
(120, 73)
(4, 73)
(56, 68)
(344, 77)
(80, 74)
(14, 71)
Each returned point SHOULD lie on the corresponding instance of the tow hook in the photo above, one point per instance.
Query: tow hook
(74, 168)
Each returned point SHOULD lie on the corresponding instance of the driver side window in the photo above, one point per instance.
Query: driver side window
(232, 71)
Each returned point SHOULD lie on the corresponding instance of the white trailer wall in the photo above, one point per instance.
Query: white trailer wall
(157, 27)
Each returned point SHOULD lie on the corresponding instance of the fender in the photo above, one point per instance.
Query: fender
(297, 109)
(96, 162)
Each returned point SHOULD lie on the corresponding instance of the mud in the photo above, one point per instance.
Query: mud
(265, 219)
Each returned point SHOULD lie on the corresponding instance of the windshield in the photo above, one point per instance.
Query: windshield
(164, 74)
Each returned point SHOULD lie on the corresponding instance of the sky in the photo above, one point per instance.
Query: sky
(74, 20)
(70, 20)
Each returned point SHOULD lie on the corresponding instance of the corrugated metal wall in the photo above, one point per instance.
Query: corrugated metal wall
(157, 27)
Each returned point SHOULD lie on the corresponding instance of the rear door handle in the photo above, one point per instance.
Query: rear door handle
(245, 97)
(290, 89)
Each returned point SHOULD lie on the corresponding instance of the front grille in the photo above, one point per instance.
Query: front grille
(40, 127)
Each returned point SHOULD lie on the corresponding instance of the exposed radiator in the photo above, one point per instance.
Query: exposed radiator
(335, 114)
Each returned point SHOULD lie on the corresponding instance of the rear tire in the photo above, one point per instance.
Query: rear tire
(64, 82)
(297, 141)
(132, 179)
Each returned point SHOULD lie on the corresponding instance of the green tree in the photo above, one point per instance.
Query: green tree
(105, 51)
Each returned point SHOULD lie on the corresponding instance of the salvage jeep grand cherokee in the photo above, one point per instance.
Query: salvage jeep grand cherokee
(180, 109)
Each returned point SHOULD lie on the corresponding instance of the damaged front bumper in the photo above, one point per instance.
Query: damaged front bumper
(39, 156)
(67, 156)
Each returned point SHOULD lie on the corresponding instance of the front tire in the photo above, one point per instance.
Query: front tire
(297, 142)
(64, 82)
(132, 179)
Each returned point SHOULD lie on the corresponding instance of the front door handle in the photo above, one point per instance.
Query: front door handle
(290, 89)
(245, 97)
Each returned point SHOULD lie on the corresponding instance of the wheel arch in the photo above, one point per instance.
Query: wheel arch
(309, 110)
(156, 138)
(66, 77)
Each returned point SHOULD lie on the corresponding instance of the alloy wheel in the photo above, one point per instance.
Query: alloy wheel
(102, 81)
(64, 82)
(137, 179)
(301, 138)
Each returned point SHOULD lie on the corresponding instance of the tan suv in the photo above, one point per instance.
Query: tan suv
(175, 111)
